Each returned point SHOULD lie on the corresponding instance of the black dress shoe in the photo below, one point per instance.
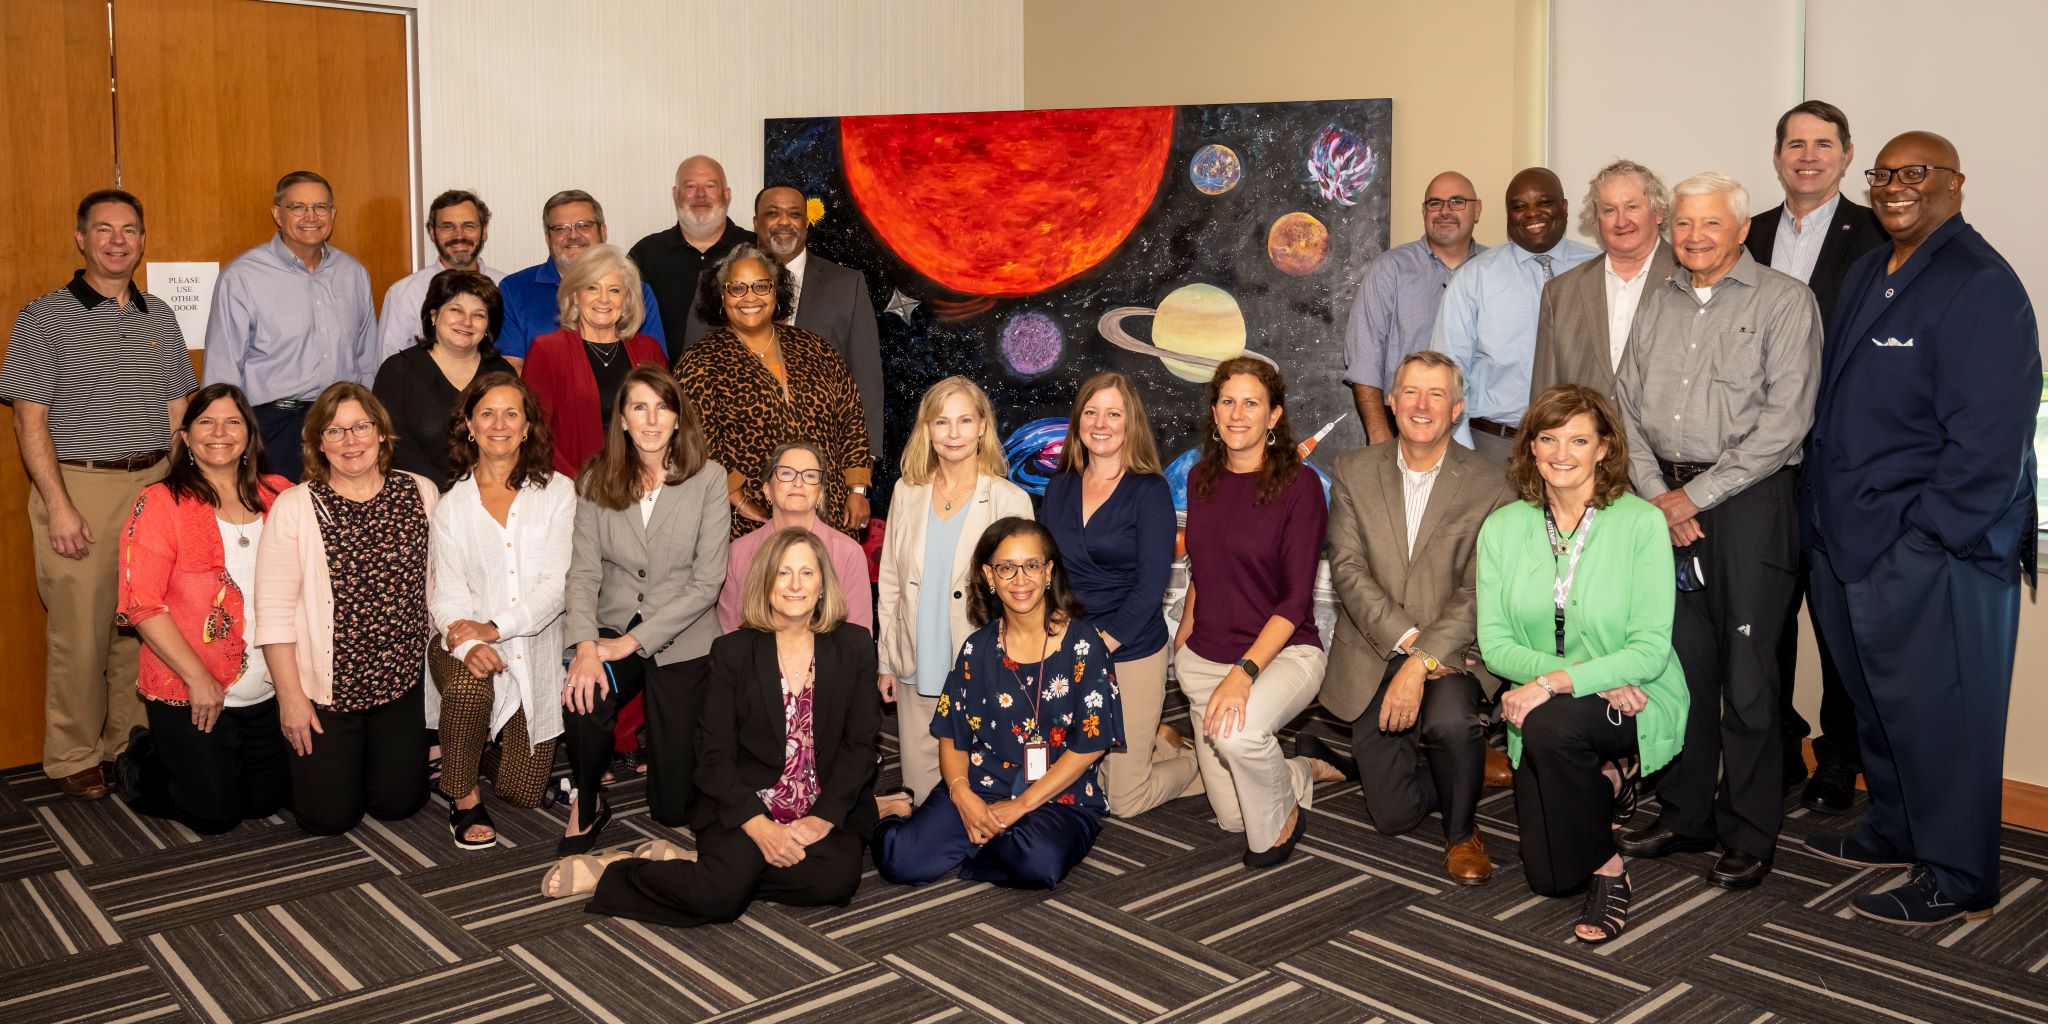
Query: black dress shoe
(1657, 839)
(1738, 870)
(1279, 853)
(1831, 791)
(585, 841)
(1307, 745)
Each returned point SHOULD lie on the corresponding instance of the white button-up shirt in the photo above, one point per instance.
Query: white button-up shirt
(1622, 298)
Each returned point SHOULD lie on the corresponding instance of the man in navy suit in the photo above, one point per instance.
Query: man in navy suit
(1920, 505)
(1814, 235)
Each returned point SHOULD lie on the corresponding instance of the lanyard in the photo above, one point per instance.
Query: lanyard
(1030, 688)
(1561, 587)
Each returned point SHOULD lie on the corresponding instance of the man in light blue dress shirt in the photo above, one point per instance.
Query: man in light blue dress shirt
(290, 317)
(1488, 318)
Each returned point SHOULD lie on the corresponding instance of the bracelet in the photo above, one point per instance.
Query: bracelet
(957, 778)
(1544, 681)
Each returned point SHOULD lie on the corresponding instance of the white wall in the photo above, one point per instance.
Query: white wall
(523, 98)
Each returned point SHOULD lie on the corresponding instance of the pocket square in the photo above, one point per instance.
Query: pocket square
(1892, 343)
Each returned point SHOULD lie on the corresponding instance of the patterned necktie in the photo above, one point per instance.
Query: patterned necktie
(1545, 258)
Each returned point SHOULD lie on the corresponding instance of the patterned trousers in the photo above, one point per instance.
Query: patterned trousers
(517, 774)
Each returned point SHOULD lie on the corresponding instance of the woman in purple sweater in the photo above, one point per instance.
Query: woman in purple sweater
(1248, 655)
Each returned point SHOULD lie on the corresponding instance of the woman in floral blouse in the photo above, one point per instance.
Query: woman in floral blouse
(1028, 711)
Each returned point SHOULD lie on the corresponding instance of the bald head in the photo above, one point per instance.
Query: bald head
(1910, 211)
(701, 197)
(1450, 209)
(1537, 211)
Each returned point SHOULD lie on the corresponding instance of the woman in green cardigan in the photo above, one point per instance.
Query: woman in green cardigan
(1576, 589)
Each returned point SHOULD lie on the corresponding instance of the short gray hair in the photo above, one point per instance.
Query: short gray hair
(1431, 357)
(1653, 190)
(1707, 183)
(571, 195)
(593, 265)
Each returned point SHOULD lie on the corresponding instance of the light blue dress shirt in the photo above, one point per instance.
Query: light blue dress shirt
(1395, 311)
(1488, 324)
(277, 331)
(935, 603)
(1795, 252)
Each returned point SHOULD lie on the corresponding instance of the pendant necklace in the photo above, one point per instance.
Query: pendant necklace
(598, 351)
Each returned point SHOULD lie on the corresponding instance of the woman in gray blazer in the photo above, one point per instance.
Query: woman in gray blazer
(651, 524)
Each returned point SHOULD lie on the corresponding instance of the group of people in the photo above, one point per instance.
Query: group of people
(514, 516)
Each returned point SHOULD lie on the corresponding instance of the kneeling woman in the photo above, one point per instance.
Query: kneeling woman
(786, 767)
(1028, 711)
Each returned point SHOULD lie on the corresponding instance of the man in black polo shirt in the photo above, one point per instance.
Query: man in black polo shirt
(671, 260)
(98, 374)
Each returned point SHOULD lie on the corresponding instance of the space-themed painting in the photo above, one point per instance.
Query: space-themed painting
(1030, 249)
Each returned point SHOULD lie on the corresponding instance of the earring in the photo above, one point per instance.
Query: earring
(1216, 434)
(1270, 439)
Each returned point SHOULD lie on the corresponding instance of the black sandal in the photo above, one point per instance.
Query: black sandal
(462, 819)
(586, 841)
(1606, 908)
(1631, 783)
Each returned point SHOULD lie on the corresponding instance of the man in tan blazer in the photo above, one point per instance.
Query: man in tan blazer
(1404, 523)
(1583, 322)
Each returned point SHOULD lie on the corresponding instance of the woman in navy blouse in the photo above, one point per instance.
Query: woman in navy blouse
(1027, 712)
(1111, 512)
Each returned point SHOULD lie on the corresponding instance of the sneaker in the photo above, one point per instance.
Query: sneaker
(1918, 904)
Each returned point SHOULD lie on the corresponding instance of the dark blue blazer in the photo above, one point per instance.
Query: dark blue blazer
(1930, 381)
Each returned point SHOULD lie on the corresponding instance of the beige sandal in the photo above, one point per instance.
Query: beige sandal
(663, 849)
(576, 875)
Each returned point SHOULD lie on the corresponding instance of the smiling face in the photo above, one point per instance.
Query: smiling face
(219, 436)
(798, 584)
(701, 195)
(1425, 406)
(1708, 235)
(1023, 594)
(798, 496)
(1102, 424)
(780, 222)
(1811, 160)
(498, 422)
(1536, 210)
(1448, 228)
(459, 235)
(649, 423)
(599, 303)
(1568, 456)
(112, 240)
(571, 229)
(1910, 213)
(957, 431)
(305, 215)
(461, 323)
(1243, 413)
(754, 308)
(350, 441)
(1628, 223)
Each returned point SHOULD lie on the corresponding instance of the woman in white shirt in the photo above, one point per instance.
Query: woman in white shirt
(501, 544)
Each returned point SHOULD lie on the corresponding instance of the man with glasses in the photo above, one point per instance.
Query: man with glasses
(1919, 494)
(1582, 327)
(290, 317)
(1397, 301)
(458, 223)
(670, 260)
(1814, 236)
(1488, 318)
(573, 222)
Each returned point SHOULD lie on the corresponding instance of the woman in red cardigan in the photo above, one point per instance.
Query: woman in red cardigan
(212, 755)
(576, 371)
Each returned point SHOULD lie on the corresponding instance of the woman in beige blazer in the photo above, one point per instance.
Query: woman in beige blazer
(953, 484)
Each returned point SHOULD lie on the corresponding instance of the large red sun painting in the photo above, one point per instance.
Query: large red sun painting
(1006, 203)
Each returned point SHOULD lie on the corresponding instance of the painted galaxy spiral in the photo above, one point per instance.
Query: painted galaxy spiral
(1034, 452)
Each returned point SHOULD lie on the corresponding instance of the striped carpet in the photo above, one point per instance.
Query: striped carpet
(111, 917)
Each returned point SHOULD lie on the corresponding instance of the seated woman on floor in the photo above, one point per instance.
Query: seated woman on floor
(1028, 711)
(786, 761)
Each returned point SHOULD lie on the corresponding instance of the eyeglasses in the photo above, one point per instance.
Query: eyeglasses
(790, 475)
(1032, 570)
(578, 226)
(316, 209)
(1456, 203)
(1911, 174)
(739, 289)
(361, 430)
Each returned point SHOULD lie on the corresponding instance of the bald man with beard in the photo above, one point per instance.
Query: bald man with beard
(1919, 504)
(671, 259)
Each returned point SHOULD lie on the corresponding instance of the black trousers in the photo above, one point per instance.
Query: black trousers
(1564, 802)
(728, 875)
(1438, 765)
(1836, 742)
(282, 429)
(371, 762)
(1727, 782)
(672, 695)
(212, 781)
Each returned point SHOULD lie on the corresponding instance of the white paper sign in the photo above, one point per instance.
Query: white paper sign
(188, 289)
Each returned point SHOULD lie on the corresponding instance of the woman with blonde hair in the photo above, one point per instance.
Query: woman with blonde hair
(578, 370)
(954, 482)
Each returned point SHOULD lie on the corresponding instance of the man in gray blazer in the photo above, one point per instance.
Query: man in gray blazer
(1583, 323)
(1404, 525)
(831, 300)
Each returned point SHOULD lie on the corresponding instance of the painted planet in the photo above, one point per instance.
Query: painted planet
(1031, 343)
(1178, 470)
(1195, 328)
(1006, 203)
(1033, 451)
(1298, 244)
(1215, 169)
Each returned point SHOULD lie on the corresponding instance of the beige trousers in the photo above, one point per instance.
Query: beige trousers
(89, 699)
(1147, 772)
(1252, 785)
(914, 739)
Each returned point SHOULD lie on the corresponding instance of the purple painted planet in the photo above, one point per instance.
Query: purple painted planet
(1031, 343)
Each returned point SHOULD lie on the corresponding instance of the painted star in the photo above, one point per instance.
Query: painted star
(900, 304)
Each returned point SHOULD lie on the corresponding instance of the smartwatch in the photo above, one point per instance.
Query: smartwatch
(1251, 668)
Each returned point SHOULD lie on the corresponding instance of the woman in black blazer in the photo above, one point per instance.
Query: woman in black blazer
(786, 741)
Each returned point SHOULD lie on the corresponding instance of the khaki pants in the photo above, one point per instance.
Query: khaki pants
(1252, 784)
(915, 742)
(1147, 772)
(89, 699)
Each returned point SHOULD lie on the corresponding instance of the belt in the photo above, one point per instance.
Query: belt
(1681, 473)
(126, 465)
(1490, 427)
(288, 404)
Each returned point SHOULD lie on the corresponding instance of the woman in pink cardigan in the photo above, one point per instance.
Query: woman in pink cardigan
(211, 755)
(341, 615)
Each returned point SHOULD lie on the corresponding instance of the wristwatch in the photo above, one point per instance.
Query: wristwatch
(1251, 668)
(1429, 662)
(860, 489)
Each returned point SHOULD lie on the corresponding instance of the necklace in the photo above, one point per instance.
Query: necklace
(956, 498)
(241, 539)
(597, 350)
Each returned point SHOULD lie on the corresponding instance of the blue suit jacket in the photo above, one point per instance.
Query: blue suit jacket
(1930, 381)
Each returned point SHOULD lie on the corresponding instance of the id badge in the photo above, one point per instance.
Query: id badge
(1036, 760)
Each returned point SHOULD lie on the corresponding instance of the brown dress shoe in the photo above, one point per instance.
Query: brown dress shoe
(89, 784)
(1467, 862)
(1499, 773)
